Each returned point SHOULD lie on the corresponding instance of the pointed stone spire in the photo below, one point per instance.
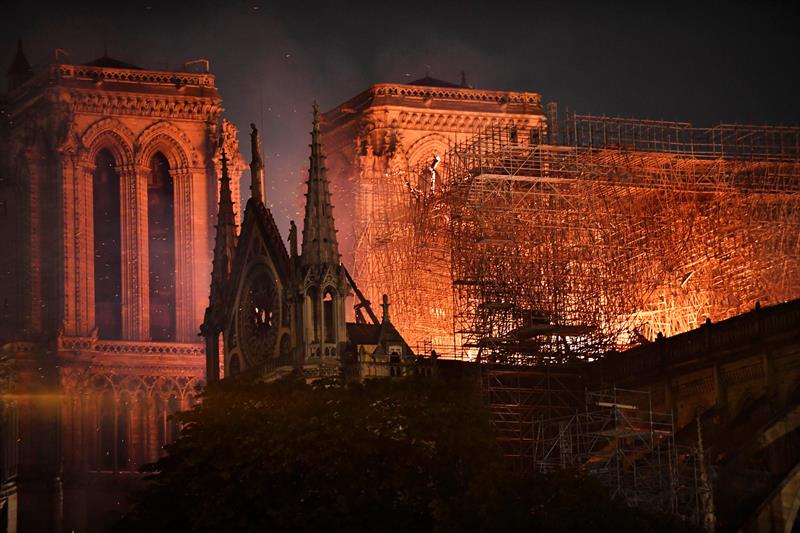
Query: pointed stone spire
(256, 166)
(292, 239)
(20, 70)
(319, 232)
(222, 264)
(225, 243)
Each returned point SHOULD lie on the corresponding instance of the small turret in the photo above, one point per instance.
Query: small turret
(20, 70)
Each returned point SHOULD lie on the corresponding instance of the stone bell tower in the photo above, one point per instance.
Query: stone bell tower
(108, 193)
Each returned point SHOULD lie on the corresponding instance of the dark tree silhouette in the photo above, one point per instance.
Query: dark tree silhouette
(403, 455)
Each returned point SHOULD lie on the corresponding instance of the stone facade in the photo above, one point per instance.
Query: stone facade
(280, 311)
(738, 380)
(379, 144)
(108, 195)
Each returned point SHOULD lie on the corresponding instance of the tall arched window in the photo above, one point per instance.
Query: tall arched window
(107, 255)
(161, 235)
(312, 312)
(329, 315)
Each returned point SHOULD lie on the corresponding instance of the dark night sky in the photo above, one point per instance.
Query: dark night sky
(708, 64)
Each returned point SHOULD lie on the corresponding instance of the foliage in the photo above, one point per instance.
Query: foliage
(403, 455)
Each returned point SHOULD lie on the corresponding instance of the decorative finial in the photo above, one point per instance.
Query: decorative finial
(254, 138)
(224, 161)
(20, 70)
(464, 79)
(316, 116)
(385, 306)
(256, 166)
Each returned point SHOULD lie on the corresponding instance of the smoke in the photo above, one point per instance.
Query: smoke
(272, 61)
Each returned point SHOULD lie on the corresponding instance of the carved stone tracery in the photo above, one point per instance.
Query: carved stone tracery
(109, 133)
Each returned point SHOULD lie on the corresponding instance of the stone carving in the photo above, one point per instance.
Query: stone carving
(180, 151)
(122, 139)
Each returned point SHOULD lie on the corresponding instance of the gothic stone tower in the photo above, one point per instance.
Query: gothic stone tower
(277, 310)
(383, 145)
(108, 196)
(323, 282)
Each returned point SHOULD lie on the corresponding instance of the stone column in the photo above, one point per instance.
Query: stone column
(183, 401)
(77, 273)
(203, 188)
(34, 297)
(134, 250)
(153, 419)
(186, 323)
(319, 326)
(69, 423)
(341, 320)
(137, 437)
(85, 405)
(297, 329)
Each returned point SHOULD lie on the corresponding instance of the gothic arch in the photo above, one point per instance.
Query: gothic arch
(424, 148)
(132, 385)
(166, 387)
(183, 161)
(111, 134)
(258, 281)
(164, 137)
(102, 382)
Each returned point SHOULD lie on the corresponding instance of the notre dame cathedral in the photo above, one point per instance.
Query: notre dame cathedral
(108, 192)
(120, 207)
(119, 194)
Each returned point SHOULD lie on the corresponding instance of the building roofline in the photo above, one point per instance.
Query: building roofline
(372, 95)
(55, 72)
(134, 75)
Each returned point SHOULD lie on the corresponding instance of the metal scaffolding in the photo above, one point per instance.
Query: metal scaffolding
(517, 398)
(403, 249)
(563, 251)
(620, 440)
(519, 247)
(535, 252)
